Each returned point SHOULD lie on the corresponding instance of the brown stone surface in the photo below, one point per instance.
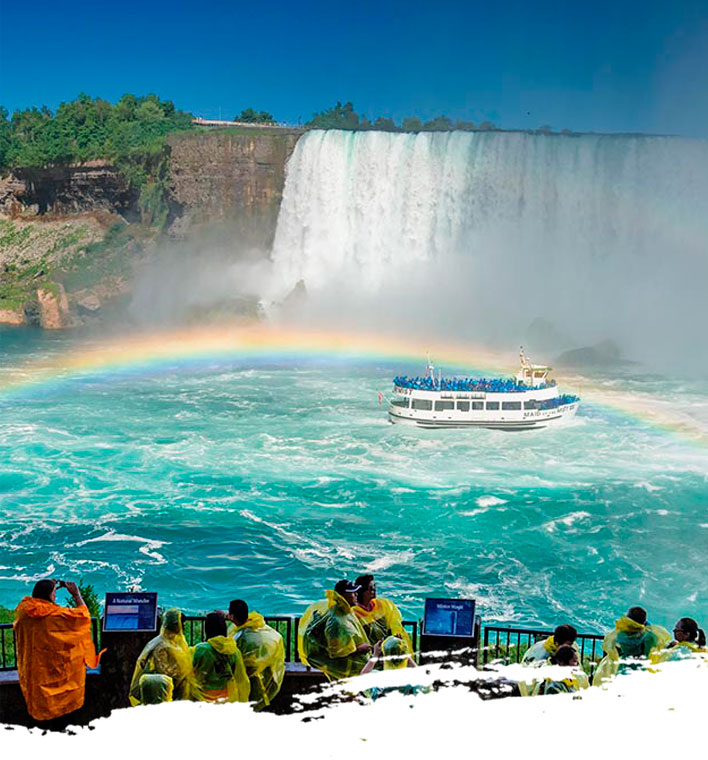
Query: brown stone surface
(54, 309)
(66, 189)
(234, 178)
(13, 317)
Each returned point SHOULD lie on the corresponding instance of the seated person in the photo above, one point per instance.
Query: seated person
(262, 650)
(154, 688)
(54, 646)
(543, 650)
(632, 637)
(393, 653)
(688, 639)
(331, 637)
(168, 655)
(565, 656)
(379, 617)
(218, 664)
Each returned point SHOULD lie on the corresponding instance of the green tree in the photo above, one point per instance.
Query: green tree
(412, 124)
(249, 116)
(89, 595)
(465, 126)
(439, 124)
(545, 129)
(338, 117)
(488, 126)
(385, 124)
(5, 139)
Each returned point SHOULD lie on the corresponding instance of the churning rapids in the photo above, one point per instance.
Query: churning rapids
(270, 479)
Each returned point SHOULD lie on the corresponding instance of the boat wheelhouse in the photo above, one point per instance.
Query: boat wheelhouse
(528, 400)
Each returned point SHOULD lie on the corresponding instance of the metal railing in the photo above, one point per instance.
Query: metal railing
(500, 643)
(507, 645)
(286, 626)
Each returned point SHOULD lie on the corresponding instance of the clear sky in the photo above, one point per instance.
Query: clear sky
(596, 65)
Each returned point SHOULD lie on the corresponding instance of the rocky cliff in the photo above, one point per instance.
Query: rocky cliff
(229, 180)
(236, 178)
(66, 189)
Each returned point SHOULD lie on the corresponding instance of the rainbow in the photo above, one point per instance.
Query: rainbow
(162, 351)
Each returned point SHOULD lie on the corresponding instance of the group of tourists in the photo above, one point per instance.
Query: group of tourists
(241, 660)
(630, 645)
(350, 632)
(481, 385)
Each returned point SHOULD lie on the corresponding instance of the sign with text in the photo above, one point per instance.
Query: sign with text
(449, 617)
(130, 611)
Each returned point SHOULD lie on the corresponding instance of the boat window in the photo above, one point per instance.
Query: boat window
(478, 405)
(403, 402)
(492, 405)
(441, 406)
(422, 403)
(511, 406)
(463, 406)
(531, 404)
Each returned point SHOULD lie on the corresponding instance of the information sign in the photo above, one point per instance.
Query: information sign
(130, 611)
(449, 617)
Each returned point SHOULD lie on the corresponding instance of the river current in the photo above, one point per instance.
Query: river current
(269, 480)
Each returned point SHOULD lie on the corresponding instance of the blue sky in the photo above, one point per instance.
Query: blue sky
(620, 66)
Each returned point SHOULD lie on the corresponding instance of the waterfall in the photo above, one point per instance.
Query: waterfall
(573, 221)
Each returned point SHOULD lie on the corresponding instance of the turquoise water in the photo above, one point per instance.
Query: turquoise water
(270, 481)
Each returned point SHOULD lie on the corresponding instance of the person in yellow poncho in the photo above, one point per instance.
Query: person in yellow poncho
(543, 650)
(218, 664)
(379, 617)
(632, 637)
(54, 646)
(565, 656)
(263, 652)
(393, 651)
(167, 654)
(331, 637)
(688, 639)
(154, 689)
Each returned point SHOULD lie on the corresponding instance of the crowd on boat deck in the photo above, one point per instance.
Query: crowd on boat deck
(483, 385)
(351, 632)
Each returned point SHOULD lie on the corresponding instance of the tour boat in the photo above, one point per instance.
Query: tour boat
(527, 401)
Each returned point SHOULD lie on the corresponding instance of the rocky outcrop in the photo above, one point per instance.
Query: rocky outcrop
(234, 178)
(67, 189)
(54, 311)
(13, 317)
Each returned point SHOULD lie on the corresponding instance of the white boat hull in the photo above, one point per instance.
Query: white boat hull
(512, 421)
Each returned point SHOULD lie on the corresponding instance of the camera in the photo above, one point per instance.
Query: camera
(59, 584)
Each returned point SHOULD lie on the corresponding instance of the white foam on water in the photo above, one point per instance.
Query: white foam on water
(390, 559)
(148, 547)
(567, 520)
(490, 501)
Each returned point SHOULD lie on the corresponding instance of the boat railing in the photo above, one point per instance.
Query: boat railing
(466, 385)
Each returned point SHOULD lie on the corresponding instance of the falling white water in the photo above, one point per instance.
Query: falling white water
(613, 228)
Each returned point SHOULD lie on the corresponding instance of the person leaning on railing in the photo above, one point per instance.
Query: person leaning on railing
(263, 652)
(688, 639)
(54, 646)
(543, 650)
(218, 664)
(331, 637)
(632, 637)
(167, 654)
(380, 617)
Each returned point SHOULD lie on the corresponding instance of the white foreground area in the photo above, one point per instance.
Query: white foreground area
(646, 714)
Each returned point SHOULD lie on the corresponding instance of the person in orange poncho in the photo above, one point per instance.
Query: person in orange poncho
(54, 646)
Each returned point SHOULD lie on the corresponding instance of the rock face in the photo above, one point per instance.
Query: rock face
(13, 317)
(54, 309)
(66, 189)
(235, 178)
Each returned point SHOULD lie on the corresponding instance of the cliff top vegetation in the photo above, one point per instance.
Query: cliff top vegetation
(129, 133)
